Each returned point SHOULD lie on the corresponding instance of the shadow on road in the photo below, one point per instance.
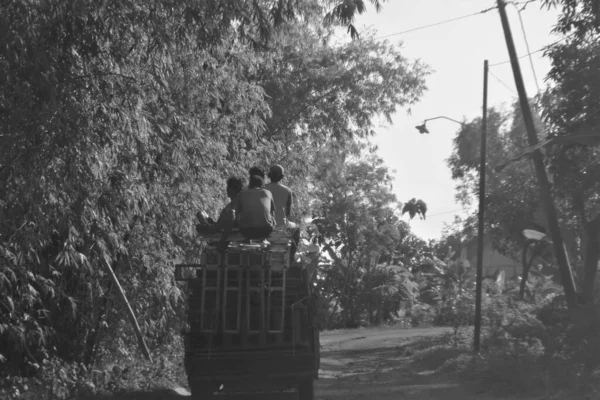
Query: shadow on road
(159, 394)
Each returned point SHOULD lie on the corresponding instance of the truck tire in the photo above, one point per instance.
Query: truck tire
(306, 390)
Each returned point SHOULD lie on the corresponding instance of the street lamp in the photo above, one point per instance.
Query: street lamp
(479, 280)
(423, 129)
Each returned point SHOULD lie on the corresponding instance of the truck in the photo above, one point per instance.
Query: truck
(251, 321)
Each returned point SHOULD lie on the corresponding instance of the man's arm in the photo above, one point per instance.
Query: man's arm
(272, 205)
(229, 218)
(225, 218)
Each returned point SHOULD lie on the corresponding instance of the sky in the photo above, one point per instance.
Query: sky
(456, 52)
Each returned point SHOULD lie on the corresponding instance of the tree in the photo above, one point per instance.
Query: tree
(575, 166)
(511, 196)
(323, 97)
(356, 211)
(345, 12)
(415, 207)
(119, 120)
(111, 113)
(511, 199)
(570, 110)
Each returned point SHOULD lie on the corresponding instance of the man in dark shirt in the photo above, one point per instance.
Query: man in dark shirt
(255, 210)
(227, 216)
(257, 171)
(282, 195)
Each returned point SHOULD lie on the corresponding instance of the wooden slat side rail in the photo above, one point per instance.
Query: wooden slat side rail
(232, 286)
(275, 285)
(211, 282)
(186, 272)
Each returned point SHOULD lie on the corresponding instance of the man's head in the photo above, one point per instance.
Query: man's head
(257, 171)
(276, 173)
(256, 181)
(235, 185)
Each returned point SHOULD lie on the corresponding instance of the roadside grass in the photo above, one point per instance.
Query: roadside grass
(508, 368)
(58, 380)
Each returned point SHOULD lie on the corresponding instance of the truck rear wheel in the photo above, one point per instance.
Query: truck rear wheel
(306, 390)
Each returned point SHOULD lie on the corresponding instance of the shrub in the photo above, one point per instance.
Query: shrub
(532, 346)
(59, 380)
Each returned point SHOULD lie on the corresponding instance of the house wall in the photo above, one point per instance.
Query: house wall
(493, 261)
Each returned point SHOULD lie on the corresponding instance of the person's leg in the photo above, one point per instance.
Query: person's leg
(204, 219)
(203, 228)
(294, 231)
(255, 233)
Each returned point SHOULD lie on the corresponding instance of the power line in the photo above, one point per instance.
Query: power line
(523, 56)
(446, 212)
(525, 3)
(451, 20)
(533, 52)
(438, 23)
(502, 82)
(528, 49)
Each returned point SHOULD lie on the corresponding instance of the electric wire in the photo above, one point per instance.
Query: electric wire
(418, 28)
(533, 52)
(528, 49)
(447, 212)
(502, 82)
(518, 58)
(515, 3)
(438, 23)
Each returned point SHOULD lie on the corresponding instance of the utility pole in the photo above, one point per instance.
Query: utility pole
(480, 230)
(545, 194)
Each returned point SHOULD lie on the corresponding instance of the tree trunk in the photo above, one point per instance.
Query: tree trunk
(591, 256)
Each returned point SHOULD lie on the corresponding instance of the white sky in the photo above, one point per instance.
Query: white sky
(456, 52)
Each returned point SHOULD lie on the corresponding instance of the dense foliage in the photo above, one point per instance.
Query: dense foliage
(512, 199)
(120, 120)
(567, 124)
(570, 108)
(359, 228)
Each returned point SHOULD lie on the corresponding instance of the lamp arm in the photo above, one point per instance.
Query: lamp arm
(448, 118)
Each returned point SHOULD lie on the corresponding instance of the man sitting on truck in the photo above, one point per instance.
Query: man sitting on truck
(255, 210)
(282, 195)
(227, 217)
(257, 171)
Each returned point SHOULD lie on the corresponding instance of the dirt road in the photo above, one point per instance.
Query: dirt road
(374, 364)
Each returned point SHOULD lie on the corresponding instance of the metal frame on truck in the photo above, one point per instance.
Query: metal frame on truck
(251, 323)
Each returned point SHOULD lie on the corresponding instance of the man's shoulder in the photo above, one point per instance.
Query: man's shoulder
(256, 192)
(278, 186)
(266, 191)
(243, 195)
